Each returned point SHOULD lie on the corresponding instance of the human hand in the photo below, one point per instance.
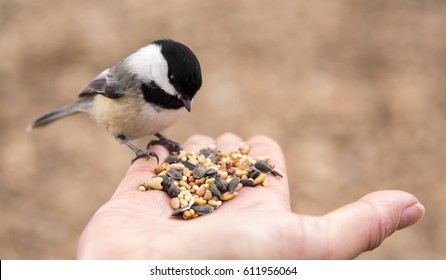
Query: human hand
(257, 224)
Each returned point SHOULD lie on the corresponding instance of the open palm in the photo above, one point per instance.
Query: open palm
(257, 224)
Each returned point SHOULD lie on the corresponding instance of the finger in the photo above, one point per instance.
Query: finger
(228, 142)
(197, 142)
(363, 225)
(265, 146)
(274, 197)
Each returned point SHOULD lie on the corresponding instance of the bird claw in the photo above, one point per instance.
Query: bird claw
(172, 146)
(140, 154)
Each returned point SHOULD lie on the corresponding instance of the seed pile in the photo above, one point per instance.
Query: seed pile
(198, 183)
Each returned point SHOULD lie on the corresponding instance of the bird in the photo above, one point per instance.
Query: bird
(139, 96)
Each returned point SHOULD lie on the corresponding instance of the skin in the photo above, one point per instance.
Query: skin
(258, 224)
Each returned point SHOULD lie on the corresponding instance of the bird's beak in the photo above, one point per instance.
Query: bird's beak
(186, 102)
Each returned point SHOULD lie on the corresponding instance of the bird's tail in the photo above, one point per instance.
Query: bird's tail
(82, 105)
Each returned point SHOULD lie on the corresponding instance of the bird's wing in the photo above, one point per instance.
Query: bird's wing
(97, 85)
(106, 84)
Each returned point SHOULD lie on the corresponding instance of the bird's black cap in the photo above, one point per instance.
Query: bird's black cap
(184, 69)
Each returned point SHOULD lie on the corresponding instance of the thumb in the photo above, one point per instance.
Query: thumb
(362, 225)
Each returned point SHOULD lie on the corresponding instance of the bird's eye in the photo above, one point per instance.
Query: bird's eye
(172, 77)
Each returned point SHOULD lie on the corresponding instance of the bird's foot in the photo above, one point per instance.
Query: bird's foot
(141, 153)
(172, 146)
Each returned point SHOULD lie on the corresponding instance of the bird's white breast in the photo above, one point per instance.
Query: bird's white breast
(131, 116)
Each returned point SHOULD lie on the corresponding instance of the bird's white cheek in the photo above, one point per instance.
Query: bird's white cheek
(148, 63)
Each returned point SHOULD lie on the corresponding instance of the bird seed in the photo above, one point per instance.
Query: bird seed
(199, 183)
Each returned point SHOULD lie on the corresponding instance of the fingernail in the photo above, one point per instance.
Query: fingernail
(411, 215)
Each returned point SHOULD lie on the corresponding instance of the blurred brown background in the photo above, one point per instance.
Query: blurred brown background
(354, 91)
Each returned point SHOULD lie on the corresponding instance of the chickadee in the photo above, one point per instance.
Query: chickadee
(141, 95)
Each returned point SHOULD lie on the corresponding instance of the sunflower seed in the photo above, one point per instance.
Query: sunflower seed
(264, 167)
(222, 185)
(205, 152)
(248, 182)
(275, 173)
(214, 158)
(233, 184)
(211, 172)
(172, 190)
(254, 174)
(203, 209)
(179, 211)
(214, 190)
(199, 171)
(175, 174)
(172, 159)
(188, 165)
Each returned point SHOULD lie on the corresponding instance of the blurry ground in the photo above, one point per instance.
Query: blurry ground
(354, 91)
